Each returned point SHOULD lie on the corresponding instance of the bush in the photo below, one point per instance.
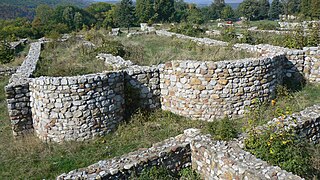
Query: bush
(113, 47)
(281, 148)
(156, 173)
(268, 25)
(223, 129)
(162, 173)
(229, 34)
(6, 52)
(187, 29)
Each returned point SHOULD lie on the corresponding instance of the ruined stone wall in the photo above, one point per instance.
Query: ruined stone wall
(208, 90)
(18, 94)
(226, 160)
(306, 123)
(206, 41)
(211, 159)
(143, 86)
(173, 154)
(76, 108)
(7, 71)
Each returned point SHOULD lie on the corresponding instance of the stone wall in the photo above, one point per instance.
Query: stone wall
(211, 159)
(173, 154)
(206, 41)
(7, 71)
(306, 123)
(226, 160)
(18, 94)
(76, 108)
(208, 90)
(143, 85)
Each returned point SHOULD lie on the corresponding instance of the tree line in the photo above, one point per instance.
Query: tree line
(50, 20)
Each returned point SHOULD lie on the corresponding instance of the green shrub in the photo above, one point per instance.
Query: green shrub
(156, 173)
(268, 25)
(187, 29)
(189, 174)
(281, 148)
(162, 173)
(113, 47)
(6, 52)
(229, 34)
(223, 129)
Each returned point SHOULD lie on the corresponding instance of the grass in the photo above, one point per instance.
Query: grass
(157, 50)
(68, 58)
(29, 158)
(71, 58)
(20, 55)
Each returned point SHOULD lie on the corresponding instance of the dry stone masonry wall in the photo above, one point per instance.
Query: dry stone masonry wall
(202, 90)
(18, 93)
(209, 90)
(76, 108)
(7, 71)
(211, 159)
(226, 160)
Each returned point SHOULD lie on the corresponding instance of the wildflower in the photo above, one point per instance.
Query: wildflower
(273, 102)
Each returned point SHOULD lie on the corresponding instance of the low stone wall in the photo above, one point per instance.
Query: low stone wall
(211, 159)
(209, 90)
(144, 85)
(226, 160)
(305, 123)
(7, 71)
(173, 154)
(206, 41)
(76, 108)
(18, 94)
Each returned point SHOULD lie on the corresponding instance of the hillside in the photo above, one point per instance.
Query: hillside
(26, 8)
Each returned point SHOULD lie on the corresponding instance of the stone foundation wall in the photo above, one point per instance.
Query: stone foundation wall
(211, 159)
(226, 160)
(206, 41)
(7, 71)
(76, 108)
(173, 154)
(306, 123)
(18, 93)
(208, 90)
(144, 85)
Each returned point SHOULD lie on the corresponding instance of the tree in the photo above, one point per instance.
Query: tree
(293, 7)
(249, 9)
(78, 20)
(6, 52)
(180, 11)
(276, 9)
(164, 10)
(144, 10)
(315, 9)
(68, 16)
(305, 8)
(194, 15)
(124, 13)
(264, 7)
(227, 12)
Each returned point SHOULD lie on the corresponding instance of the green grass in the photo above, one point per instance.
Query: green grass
(29, 158)
(157, 50)
(68, 58)
(71, 58)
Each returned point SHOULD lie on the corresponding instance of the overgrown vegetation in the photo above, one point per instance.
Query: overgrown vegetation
(161, 173)
(224, 129)
(73, 58)
(283, 147)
